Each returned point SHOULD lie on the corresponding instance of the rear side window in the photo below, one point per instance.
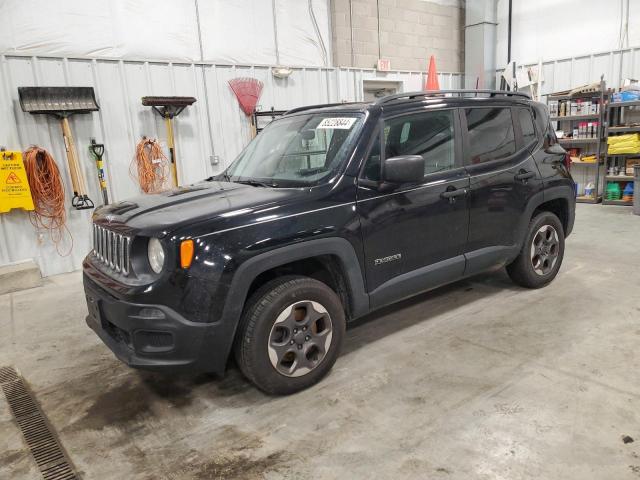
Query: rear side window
(526, 124)
(491, 134)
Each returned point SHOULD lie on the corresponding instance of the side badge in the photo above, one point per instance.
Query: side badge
(390, 258)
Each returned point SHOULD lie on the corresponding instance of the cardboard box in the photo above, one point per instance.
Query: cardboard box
(629, 165)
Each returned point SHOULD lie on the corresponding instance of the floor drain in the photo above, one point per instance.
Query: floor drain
(39, 436)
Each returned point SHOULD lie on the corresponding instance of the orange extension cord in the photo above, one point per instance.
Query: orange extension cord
(47, 191)
(150, 166)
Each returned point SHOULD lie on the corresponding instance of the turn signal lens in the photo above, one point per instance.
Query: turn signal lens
(186, 253)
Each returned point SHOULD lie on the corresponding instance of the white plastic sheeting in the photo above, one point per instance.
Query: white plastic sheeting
(299, 42)
(233, 31)
(205, 130)
(149, 29)
(242, 31)
(559, 29)
(246, 35)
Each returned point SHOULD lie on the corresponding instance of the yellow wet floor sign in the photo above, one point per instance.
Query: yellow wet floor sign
(14, 186)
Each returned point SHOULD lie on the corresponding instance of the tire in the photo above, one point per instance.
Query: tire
(538, 264)
(269, 353)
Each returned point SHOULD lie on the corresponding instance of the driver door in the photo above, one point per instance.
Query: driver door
(414, 235)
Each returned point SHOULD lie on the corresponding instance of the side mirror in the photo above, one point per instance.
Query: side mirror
(404, 169)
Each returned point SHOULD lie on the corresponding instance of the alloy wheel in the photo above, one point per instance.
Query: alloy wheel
(300, 338)
(545, 249)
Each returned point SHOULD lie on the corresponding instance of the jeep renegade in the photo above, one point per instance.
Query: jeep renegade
(331, 212)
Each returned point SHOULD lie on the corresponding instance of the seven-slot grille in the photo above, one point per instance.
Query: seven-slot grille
(111, 248)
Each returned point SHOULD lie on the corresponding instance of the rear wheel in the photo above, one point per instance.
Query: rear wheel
(290, 335)
(542, 252)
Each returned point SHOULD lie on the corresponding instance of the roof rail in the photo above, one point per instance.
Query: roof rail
(459, 93)
(320, 105)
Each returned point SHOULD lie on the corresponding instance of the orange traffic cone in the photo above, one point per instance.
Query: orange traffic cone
(432, 76)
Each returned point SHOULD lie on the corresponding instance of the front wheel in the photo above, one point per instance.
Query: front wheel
(542, 252)
(290, 335)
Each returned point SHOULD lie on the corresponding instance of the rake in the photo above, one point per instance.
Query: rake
(247, 91)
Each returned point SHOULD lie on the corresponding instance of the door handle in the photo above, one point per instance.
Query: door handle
(453, 193)
(524, 176)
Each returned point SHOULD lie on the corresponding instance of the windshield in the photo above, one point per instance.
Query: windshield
(297, 151)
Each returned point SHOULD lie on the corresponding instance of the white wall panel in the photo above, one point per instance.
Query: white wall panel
(216, 127)
(565, 73)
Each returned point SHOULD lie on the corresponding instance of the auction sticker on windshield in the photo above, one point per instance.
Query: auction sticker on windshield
(343, 123)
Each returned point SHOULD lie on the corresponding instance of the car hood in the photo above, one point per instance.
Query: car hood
(160, 213)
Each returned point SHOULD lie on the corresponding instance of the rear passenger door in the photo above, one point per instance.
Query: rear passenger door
(414, 234)
(503, 178)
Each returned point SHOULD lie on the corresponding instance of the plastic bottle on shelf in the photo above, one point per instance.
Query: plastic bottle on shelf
(627, 193)
(589, 189)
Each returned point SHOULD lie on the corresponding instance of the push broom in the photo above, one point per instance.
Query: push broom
(62, 102)
(168, 108)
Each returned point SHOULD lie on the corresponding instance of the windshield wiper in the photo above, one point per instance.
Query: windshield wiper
(225, 176)
(256, 183)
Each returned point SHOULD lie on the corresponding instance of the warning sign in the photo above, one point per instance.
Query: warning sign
(14, 187)
(13, 178)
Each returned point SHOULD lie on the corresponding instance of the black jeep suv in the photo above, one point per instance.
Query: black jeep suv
(331, 212)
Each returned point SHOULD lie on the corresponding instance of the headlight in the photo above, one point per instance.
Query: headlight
(156, 255)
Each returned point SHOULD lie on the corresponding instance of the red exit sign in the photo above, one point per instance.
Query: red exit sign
(384, 64)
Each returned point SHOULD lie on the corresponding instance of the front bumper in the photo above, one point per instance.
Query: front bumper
(152, 337)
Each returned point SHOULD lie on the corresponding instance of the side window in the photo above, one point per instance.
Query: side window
(429, 134)
(526, 124)
(490, 134)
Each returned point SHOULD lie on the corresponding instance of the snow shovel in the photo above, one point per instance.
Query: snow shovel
(167, 108)
(62, 102)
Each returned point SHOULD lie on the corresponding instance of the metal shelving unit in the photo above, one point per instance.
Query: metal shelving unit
(622, 129)
(596, 143)
(616, 114)
(573, 117)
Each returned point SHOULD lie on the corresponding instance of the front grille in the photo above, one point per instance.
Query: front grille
(112, 249)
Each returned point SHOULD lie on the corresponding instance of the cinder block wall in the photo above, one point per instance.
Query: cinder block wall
(410, 32)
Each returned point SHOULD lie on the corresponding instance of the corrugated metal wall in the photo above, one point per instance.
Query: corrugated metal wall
(213, 127)
(564, 73)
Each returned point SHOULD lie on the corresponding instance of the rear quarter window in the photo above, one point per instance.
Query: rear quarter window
(540, 117)
(526, 125)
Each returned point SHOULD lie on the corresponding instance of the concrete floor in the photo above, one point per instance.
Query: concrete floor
(480, 379)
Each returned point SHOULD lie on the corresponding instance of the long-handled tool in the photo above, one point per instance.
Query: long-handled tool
(248, 91)
(62, 102)
(167, 108)
(98, 151)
